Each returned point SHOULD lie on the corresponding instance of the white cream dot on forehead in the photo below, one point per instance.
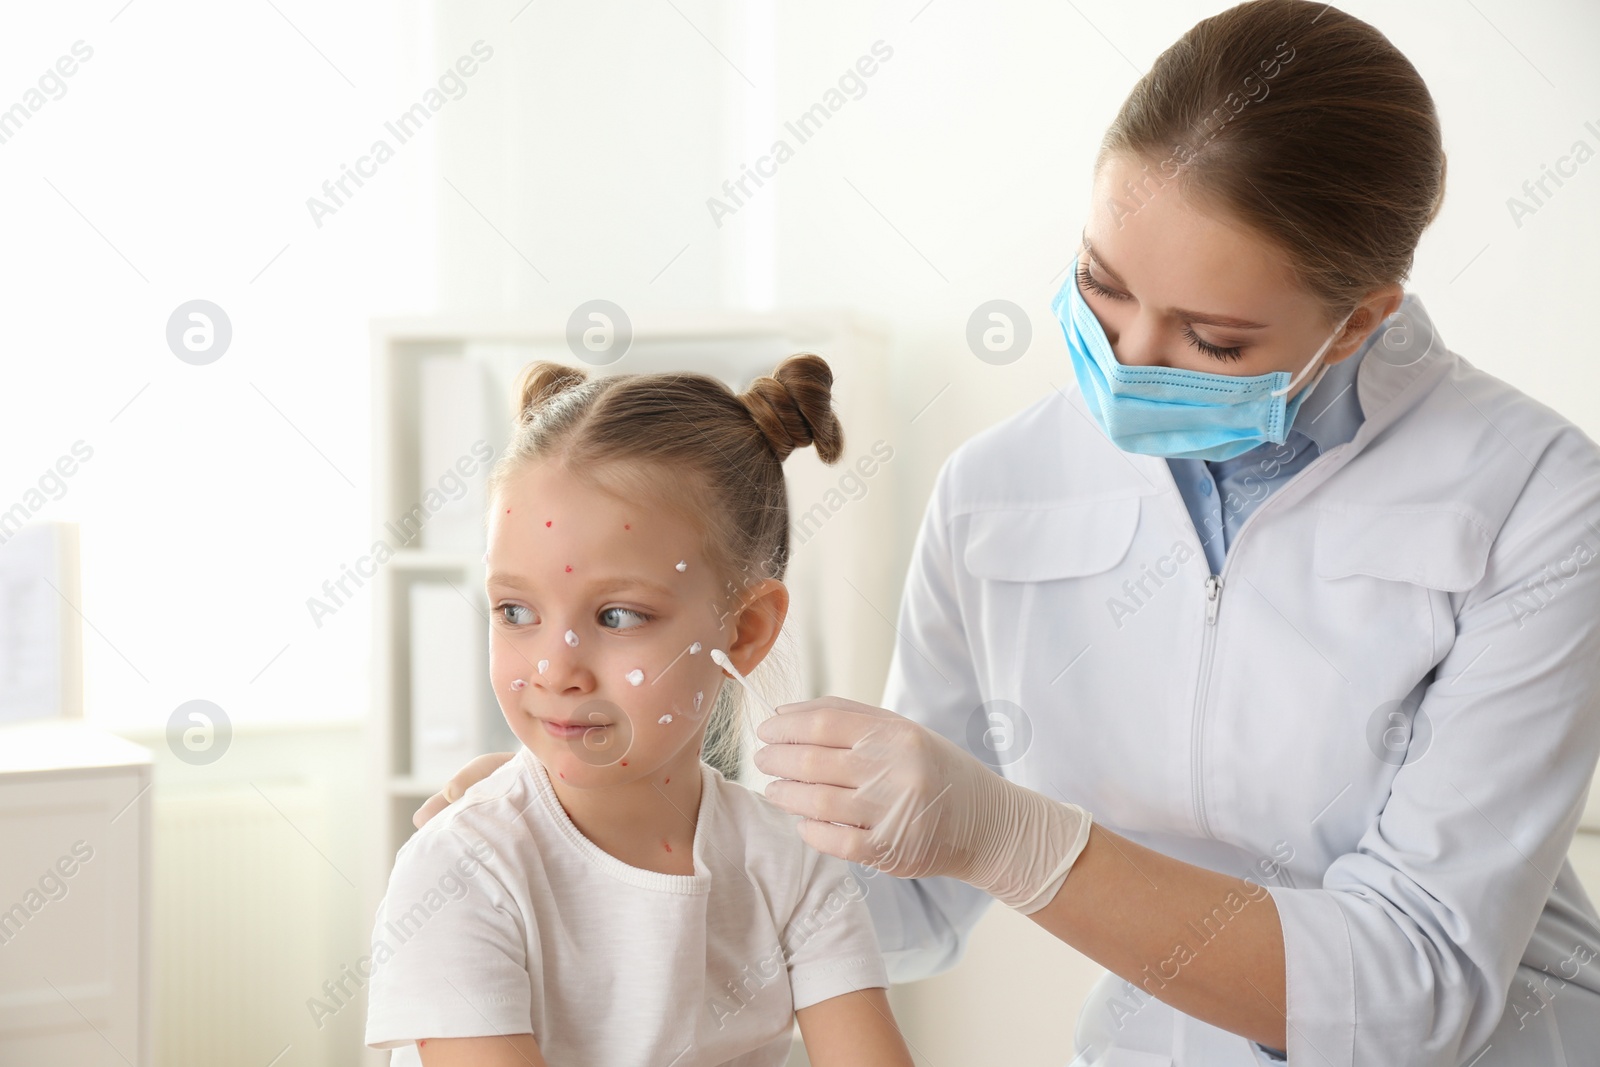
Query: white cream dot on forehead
(634, 676)
(572, 639)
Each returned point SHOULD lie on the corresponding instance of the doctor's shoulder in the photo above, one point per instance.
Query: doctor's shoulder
(1047, 453)
(1479, 444)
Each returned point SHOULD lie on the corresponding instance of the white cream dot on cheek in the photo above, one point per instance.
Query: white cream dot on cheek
(572, 639)
(697, 698)
(664, 719)
(544, 665)
(634, 676)
(694, 648)
(519, 683)
(682, 566)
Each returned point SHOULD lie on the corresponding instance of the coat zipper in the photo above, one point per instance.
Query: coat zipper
(1208, 637)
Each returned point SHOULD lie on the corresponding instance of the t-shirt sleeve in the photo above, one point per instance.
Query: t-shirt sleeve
(449, 945)
(829, 941)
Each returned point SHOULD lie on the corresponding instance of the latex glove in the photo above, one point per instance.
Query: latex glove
(477, 769)
(883, 791)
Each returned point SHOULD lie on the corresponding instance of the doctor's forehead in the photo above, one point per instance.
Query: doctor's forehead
(1165, 248)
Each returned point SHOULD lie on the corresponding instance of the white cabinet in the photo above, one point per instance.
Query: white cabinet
(74, 897)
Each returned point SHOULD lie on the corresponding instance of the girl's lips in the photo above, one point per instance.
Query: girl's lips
(569, 733)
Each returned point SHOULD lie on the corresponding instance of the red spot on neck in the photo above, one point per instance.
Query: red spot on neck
(546, 522)
(627, 526)
(562, 773)
(665, 845)
(569, 568)
(624, 763)
(667, 782)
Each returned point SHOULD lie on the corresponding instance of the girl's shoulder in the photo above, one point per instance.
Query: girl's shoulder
(483, 823)
(765, 840)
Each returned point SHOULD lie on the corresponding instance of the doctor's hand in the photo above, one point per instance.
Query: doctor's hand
(476, 770)
(877, 789)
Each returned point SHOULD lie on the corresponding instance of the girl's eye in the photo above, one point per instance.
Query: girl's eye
(1211, 350)
(504, 608)
(615, 618)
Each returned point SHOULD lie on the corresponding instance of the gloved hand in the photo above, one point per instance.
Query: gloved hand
(477, 769)
(883, 791)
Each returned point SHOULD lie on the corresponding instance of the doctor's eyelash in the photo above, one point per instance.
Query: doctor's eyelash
(1188, 332)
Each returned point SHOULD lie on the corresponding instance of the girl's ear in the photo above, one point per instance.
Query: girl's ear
(759, 621)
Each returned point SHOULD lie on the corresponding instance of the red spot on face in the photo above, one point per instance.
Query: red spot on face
(624, 763)
(665, 845)
(569, 568)
(627, 526)
(667, 782)
(546, 522)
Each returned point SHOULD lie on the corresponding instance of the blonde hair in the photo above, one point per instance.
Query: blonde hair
(695, 446)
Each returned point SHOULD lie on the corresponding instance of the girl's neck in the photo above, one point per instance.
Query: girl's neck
(648, 823)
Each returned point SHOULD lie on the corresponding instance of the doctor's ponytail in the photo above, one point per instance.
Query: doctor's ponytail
(1305, 124)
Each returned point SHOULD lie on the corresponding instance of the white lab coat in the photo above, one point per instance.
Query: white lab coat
(1448, 555)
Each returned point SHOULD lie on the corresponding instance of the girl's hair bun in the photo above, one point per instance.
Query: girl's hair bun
(542, 381)
(793, 406)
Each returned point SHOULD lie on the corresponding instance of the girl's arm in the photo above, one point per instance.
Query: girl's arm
(517, 1050)
(852, 1030)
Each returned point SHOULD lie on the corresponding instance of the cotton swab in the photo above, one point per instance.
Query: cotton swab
(721, 659)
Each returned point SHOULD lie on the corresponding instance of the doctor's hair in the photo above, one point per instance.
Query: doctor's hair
(1305, 124)
(686, 442)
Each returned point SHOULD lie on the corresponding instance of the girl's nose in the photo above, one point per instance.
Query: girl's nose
(562, 666)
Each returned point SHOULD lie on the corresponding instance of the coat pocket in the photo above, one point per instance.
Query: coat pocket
(1044, 543)
(1432, 547)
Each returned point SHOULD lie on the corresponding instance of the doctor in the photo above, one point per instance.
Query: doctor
(1263, 667)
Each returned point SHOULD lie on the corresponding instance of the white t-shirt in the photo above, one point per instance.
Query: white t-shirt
(502, 918)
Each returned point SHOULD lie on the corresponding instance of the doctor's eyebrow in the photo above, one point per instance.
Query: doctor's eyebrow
(1206, 318)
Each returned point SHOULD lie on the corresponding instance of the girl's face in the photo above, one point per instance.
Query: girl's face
(608, 612)
(1161, 276)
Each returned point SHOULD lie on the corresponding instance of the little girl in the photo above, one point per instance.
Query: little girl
(606, 898)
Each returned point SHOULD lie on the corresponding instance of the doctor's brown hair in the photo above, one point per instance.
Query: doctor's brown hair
(1303, 123)
(687, 442)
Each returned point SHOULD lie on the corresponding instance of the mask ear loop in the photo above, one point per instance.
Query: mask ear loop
(1337, 330)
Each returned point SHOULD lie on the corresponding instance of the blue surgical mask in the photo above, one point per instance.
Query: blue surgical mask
(1168, 411)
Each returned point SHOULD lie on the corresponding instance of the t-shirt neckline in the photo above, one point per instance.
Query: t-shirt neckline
(698, 882)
